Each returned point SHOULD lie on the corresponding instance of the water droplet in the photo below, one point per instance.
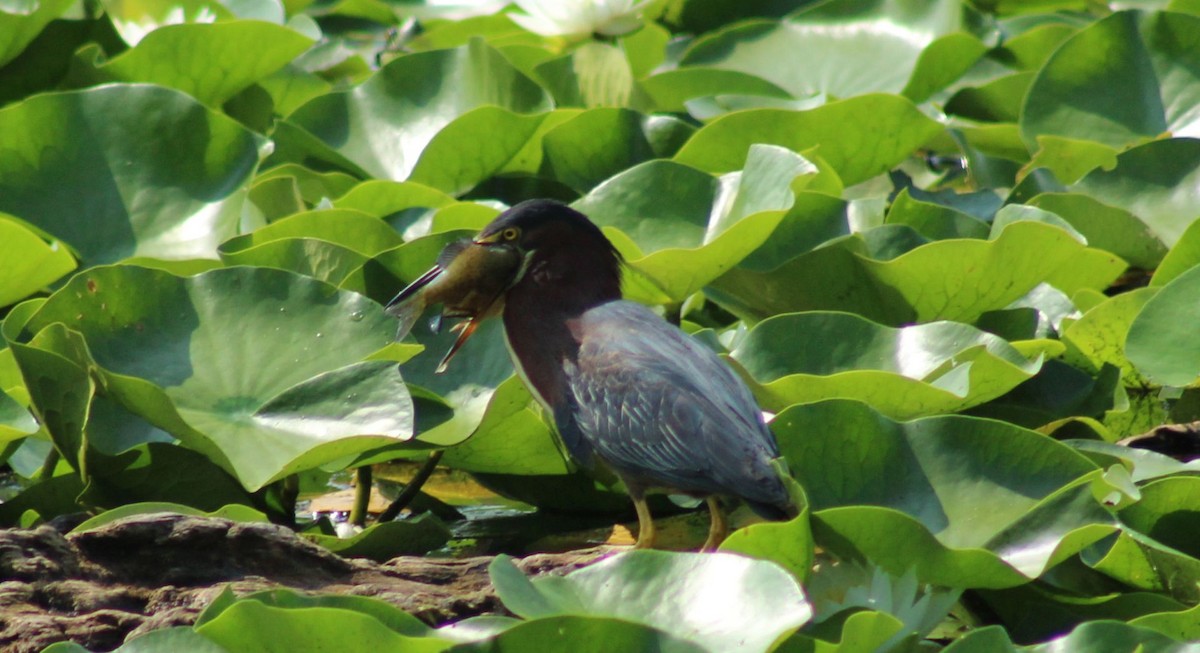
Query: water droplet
(357, 316)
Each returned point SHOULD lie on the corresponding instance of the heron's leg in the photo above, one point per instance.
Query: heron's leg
(646, 533)
(719, 528)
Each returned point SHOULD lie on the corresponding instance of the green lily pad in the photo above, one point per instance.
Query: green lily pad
(511, 439)
(1144, 86)
(903, 373)
(1180, 625)
(1098, 337)
(998, 100)
(385, 613)
(661, 216)
(479, 144)
(1142, 562)
(1106, 227)
(593, 75)
(1072, 158)
(1161, 343)
(166, 640)
(841, 44)
(1183, 256)
(127, 460)
(908, 500)
(256, 368)
(1102, 636)
(860, 137)
(934, 221)
(583, 635)
(328, 244)
(594, 145)
(15, 420)
(1155, 183)
(255, 624)
(114, 153)
(384, 541)
(19, 28)
(212, 62)
(719, 601)
(233, 512)
(788, 544)
(948, 279)
(384, 124)
(671, 89)
(30, 262)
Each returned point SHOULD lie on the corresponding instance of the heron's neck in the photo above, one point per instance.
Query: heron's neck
(553, 290)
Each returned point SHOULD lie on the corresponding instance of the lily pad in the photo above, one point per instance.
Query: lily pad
(117, 148)
(258, 369)
(211, 62)
(384, 124)
(384, 541)
(903, 373)
(30, 262)
(666, 220)
(1024, 505)
(1144, 86)
(841, 44)
(860, 137)
(1161, 343)
(720, 601)
(956, 279)
(1154, 182)
(18, 29)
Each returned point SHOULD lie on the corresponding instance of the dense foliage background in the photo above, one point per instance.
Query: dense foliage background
(954, 246)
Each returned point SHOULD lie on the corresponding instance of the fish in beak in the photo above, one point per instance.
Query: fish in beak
(468, 280)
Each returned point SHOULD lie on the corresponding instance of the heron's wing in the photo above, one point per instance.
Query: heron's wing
(660, 407)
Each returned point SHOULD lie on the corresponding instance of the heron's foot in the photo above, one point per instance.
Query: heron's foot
(718, 530)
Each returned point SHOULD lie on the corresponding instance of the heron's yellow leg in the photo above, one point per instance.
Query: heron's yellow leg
(645, 524)
(719, 528)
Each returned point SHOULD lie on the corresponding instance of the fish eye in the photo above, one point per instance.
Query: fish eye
(511, 233)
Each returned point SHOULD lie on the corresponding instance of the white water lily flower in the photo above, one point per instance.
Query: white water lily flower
(579, 17)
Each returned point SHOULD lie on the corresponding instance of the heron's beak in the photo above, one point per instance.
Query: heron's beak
(396, 306)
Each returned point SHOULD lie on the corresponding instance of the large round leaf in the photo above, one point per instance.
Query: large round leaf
(1156, 182)
(124, 170)
(721, 601)
(18, 28)
(967, 502)
(860, 137)
(258, 369)
(30, 262)
(957, 279)
(681, 228)
(211, 62)
(1145, 84)
(1162, 341)
(918, 370)
(841, 45)
(384, 124)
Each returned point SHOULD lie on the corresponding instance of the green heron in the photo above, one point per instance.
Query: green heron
(626, 388)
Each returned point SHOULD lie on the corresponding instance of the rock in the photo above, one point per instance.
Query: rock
(146, 572)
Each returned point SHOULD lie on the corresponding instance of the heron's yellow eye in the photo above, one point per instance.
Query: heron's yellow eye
(510, 234)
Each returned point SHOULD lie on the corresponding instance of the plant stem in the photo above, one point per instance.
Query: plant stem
(288, 494)
(410, 491)
(363, 483)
